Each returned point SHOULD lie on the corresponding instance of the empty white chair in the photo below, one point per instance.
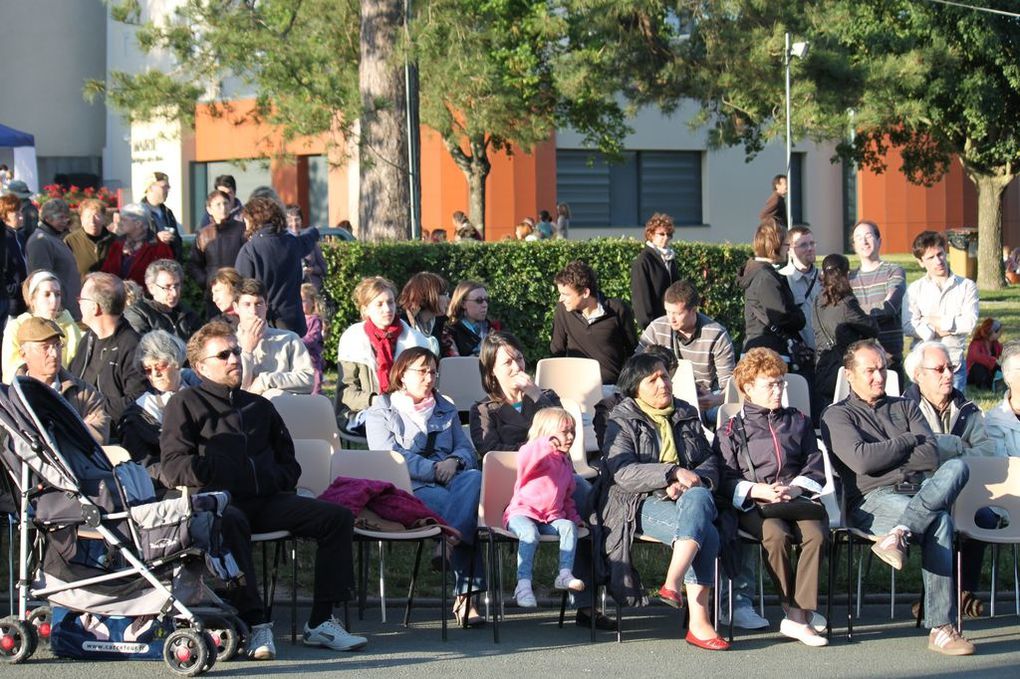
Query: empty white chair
(461, 380)
(684, 386)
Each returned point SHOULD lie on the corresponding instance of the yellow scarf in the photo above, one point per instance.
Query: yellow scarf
(661, 418)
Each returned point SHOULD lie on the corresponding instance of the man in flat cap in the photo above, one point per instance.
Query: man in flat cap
(40, 340)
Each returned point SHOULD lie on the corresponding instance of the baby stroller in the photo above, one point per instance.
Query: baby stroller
(107, 555)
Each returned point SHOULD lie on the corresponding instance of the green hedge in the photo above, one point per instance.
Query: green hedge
(519, 276)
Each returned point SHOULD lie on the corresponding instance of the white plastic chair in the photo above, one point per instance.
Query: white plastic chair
(578, 450)
(577, 379)
(308, 416)
(684, 386)
(892, 385)
(461, 380)
(797, 393)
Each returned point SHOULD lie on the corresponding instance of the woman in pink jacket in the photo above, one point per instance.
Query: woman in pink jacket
(542, 502)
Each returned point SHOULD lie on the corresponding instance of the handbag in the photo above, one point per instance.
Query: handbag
(799, 508)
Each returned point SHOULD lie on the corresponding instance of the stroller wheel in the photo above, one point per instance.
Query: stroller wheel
(187, 653)
(225, 636)
(41, 619)
(17, 640)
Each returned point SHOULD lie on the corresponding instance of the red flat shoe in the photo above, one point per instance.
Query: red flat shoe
(713, 644)
(671, 597)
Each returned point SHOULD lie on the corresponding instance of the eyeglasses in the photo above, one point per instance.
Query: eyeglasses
(225, 354)
(777, 385)
(159, 368)
(168, 288)
(479, 300)
(423, 372)
(87, 299)
(944, 368)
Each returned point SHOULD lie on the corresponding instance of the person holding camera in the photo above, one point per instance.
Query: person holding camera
(772, 473)
(894, 487)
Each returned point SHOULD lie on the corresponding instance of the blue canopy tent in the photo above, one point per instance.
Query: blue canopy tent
(23, 146)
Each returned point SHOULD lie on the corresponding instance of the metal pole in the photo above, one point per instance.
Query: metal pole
(789, 142)
(410, 102)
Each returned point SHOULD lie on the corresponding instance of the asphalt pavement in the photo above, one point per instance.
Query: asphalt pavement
(532, 646)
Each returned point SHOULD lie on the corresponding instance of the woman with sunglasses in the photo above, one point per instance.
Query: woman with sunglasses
(423, 426)
(469, 320)
(160, 356)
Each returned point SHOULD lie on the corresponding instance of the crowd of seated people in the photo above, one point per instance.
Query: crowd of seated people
(188, 400)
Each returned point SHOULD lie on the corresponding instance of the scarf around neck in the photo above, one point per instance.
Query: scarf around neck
(660, 417)
(384, 346)
(667, 254)
(418, 413)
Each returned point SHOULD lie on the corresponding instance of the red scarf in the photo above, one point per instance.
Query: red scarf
(384, 346)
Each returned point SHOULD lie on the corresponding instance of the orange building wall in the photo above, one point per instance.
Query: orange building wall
(902, 210)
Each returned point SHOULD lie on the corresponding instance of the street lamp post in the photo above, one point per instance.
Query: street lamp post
(799, 50)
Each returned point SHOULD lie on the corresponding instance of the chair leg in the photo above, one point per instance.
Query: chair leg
(831, 565)
(362, 579)
(471, 583)
(959, 588)
(382, 581)
(293, 591)
(849, 587)
(860, 574)
(729, 605)
(414, 583)
(494, 597)
(442, 587)
(892, 593)
(995, 577)
(1016, 583)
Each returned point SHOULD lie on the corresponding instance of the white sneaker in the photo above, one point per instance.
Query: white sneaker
(260, 642)
(818, 622)
(566, 580)
(331, 634)
(524, 596)
(744, 617)
(802, 633)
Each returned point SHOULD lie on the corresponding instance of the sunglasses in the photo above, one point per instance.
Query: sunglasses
(158, 369)
(225, 354)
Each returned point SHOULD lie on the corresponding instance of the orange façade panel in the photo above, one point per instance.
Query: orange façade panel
(236, 134)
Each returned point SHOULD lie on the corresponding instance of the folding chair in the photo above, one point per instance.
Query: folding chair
(461, 381)
(578, 379)
(892, 385)
(499, 475)
(385, 465)
(731, 393)
(308, 416)
(994, 482)
(797, 393)
(684, 386)
(578, 452)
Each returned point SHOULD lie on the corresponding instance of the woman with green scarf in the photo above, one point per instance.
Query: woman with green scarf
(658, 478)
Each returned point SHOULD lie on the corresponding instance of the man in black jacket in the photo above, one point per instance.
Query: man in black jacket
(218, 437)
(106, 354)
(588, 325)
(893, 486)
(164, 308)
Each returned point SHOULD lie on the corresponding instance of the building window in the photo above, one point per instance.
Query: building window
(248, 175)
(627, 193)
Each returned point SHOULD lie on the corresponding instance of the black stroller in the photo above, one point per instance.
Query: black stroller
(105, 546)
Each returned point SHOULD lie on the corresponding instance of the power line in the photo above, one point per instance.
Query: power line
(976, 8)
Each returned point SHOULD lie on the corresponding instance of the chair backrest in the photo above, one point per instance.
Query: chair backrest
(461, 380)
(314, 457)
(116, 454)
(730, 393)
(308, 416)
(377, 465)
(499, 474)
(829, 496)
(797, 393)
(579, 379)
(579, 449)
(892, 385)
(684, 386)
(994, 482)
(725, 412)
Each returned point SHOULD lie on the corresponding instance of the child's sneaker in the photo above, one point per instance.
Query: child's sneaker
(524, 596)
(566, 580)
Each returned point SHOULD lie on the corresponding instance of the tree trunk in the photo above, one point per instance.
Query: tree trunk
(989, 189)
(476, 169)
(384, 198)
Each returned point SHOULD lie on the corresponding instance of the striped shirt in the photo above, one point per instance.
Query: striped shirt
(709, 349)
(880, 294)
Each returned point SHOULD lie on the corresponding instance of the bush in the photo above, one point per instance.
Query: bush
(519, 276)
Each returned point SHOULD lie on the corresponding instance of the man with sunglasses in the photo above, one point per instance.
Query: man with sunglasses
(106, 353)
(40, 341)
(216, 436)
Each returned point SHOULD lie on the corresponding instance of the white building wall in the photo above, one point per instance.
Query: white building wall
(733, 191)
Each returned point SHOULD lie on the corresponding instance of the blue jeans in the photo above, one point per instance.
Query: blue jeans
(927, 516)
(457, 503)
(960, 376)
(690, 517)
(527, 531)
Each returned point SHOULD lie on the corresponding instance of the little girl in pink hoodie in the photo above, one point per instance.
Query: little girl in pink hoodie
(542, 502)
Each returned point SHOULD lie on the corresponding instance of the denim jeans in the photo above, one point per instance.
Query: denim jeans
(527, 531)
(457, 503)
(690, 517)
(960, 376)
(582, 555)
(927, 516)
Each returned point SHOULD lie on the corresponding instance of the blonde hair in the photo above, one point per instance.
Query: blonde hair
(547, 423)
(370, 288)
(308, 292)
